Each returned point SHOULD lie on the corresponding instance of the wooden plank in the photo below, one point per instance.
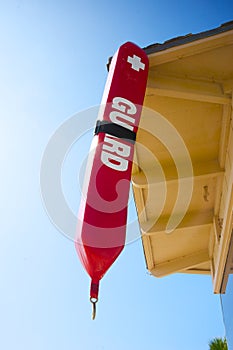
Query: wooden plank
(180, 263)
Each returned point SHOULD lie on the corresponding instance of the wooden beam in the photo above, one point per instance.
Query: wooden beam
(178, 264)
(200, 170)
(217, 228)
(191, 219)
(223, 247)
(196, 270)
(189, 95)
(226, 121)
(148, 251)
(189, 89)
(228, 86)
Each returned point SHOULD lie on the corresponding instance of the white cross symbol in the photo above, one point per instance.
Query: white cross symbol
(136, 63)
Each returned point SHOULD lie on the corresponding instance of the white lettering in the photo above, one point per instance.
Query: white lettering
(114, 162)
(114, 153)
(116, 146)
(118, 103)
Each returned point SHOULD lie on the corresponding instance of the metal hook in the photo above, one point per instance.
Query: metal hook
(206, 194)
(93, 301)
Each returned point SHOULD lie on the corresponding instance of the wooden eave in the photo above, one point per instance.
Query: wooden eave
(190, 86)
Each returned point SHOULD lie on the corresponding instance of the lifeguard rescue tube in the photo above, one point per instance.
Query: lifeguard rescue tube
(102, 216)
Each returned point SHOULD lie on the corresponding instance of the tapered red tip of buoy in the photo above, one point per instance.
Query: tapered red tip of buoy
(94, 290)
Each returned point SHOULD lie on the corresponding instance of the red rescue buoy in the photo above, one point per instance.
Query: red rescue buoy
(102, 216)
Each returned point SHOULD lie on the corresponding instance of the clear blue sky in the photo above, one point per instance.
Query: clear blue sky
(52, 65)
